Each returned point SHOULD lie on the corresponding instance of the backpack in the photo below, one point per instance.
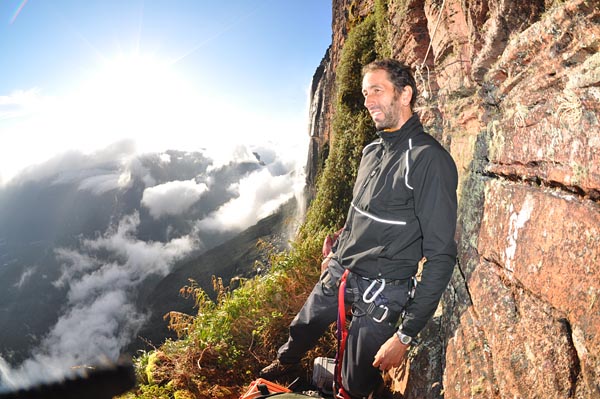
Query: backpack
(262, 388)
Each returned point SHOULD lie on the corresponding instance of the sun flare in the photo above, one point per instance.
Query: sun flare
(135, 95)
(133, 84)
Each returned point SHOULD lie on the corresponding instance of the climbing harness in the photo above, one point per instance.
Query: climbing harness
(373, 303)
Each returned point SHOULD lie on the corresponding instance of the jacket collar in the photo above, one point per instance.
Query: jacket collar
(411, 128)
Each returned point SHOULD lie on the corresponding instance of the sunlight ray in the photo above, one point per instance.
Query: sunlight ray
(18, 11)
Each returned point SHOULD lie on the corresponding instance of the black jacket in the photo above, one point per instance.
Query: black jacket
(404, 208)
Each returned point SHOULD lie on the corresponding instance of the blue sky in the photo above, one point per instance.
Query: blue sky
(81, 75)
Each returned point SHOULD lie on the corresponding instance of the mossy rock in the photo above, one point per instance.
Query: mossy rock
(155, 372)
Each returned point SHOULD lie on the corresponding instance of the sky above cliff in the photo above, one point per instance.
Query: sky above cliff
(156, 75)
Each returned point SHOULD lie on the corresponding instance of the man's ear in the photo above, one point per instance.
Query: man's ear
(406, 95)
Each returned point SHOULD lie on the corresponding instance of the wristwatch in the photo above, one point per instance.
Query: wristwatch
(405, 339)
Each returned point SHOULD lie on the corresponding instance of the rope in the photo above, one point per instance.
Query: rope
(418, 73)
(434, 32)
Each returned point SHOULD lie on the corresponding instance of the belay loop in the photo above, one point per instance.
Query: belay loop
(342, 336)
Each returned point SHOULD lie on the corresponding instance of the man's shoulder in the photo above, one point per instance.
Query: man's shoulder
(428, 145)
(429, 150)
(426, 139)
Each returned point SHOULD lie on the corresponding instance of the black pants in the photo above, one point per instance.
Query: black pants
(365, 335)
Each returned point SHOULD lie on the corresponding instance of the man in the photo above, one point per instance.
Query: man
(403, 209)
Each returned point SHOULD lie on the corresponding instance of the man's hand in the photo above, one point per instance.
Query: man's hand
(391, 354)
(325, 262)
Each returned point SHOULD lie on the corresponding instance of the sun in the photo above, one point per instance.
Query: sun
(140, 97)
(133, 84)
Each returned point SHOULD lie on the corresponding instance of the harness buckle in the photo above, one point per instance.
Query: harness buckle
(379, 290)
(383, 316)
(378, 312)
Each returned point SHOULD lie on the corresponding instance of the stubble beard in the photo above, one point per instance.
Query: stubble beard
(391, 113)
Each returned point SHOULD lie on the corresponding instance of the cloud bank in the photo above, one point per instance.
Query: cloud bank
(172, 198)
(257, 196)
(101, 275)
(101, 317)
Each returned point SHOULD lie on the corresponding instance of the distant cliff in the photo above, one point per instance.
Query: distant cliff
(512, 89)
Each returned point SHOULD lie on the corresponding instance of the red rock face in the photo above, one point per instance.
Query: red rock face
(544, 247)
(513, 90)
(549, 77)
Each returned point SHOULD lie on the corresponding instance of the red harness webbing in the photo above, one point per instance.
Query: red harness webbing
(342, 335)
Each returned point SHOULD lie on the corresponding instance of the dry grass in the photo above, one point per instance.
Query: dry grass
(569, 108)
(520, 115)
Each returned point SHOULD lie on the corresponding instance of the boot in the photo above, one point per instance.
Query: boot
(277, 370)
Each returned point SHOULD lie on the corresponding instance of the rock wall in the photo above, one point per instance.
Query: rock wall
(512, 88)
(321, 105)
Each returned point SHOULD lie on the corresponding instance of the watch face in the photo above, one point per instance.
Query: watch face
(405, 339)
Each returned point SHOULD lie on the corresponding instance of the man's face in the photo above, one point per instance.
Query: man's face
(382, 100)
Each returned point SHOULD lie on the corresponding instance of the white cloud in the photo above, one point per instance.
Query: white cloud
(79, 263)
(228, 152)
(101, 317)
(35, 128)
(107, 182)
(29, 271)
(111, 168)
(259, 195)
(141, 257)
(89, 330)
(165, 158)
(20, 103)
(86, 334)
(75, 166)
(172, 198)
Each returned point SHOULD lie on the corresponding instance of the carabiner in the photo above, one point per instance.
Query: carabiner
(369, 288)
(413, 287)
(383, 316)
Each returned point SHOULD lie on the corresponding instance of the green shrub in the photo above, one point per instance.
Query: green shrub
(383, 39)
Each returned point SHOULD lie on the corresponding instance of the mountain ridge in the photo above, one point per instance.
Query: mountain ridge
(230, 261)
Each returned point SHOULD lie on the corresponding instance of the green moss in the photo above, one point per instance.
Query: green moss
(383, 39)
(352, 129)
(151, 392)
(183, 394)
(150, 367)
(470, 210)
(579, 174)
(462, 92)
(478, 388)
